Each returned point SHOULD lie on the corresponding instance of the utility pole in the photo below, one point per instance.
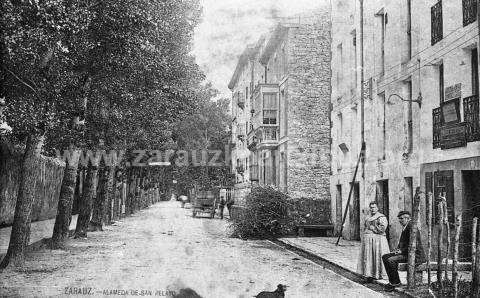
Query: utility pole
(362, 88)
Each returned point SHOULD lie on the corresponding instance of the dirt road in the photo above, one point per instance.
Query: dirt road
(158, 251)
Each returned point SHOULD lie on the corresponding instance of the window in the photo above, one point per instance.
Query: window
(283, 114)
(382, 17)
(436, 22)
(474, 63)
(382, 45)
(441, 83)
(384, 131)
(469, 11)
(269, 108)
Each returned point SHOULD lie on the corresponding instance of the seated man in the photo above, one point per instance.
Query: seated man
(400, 255)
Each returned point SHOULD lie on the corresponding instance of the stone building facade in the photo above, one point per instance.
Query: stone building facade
(280, 105)
(421, 117)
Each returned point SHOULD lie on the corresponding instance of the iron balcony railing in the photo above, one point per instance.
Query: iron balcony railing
(471, 118)
(437, 22)
(437, 126)
(469, 8)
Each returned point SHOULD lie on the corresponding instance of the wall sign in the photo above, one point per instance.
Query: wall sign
(453, 92)
(367, 89)
(453, 136)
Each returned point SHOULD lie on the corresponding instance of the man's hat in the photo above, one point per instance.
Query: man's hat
(401, 213)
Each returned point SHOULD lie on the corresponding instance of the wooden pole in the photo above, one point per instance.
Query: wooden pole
(412, 247)
(476, 272)
(474, 241)
(447, 228)
(350, 193)
(439, 245)
(429, 239)
(458, 226)
(476, 264)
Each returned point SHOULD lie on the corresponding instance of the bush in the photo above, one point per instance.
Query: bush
(268, 213)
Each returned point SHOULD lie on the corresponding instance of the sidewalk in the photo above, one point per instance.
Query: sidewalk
(345, 254)
(38, 231)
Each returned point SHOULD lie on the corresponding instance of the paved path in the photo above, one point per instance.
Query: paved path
(345, 254)
(38, 231)
(164, 249)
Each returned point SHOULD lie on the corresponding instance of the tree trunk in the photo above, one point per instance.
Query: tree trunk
(20, 234)
(109, 194)
(65, 202)
(128, 197)
(85, 208)
(96, 224)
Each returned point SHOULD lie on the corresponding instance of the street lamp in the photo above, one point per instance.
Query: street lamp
(418, 100)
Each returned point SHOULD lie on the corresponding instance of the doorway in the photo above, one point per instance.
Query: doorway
(471, 209)
(354, 215)
(338, 208)
(383, 201)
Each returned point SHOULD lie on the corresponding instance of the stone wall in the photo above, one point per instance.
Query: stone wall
(47, 188)
(308, 109)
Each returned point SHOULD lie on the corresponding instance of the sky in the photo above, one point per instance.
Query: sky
(228, 26)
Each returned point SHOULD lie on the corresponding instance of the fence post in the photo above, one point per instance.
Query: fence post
(439, 245)
(429, 226)
(476, 272)
(412, 247)
(474, 241)
(449, 241)
(458, 226)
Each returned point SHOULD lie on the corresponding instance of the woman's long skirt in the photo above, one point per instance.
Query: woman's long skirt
(370, 263)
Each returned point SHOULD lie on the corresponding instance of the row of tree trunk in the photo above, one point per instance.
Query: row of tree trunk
(106, 193)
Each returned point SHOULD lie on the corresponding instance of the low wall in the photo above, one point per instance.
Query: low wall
(47, 188)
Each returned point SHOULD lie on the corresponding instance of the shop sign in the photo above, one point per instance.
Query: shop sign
(452, 92)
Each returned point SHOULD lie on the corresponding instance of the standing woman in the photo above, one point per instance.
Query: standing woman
(374, 245)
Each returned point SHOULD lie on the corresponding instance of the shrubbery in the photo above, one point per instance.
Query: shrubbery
(268, 213)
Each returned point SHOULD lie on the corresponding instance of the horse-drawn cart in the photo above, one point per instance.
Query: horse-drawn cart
(205, 202)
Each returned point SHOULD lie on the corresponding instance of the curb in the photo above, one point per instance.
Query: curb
(310, 255)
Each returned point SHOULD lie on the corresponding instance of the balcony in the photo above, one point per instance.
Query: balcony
(267, 137)
(253, 172)
(436, 22)
(469, 8)
(451, 134)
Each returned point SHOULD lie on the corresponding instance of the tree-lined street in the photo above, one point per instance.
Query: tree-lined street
(164, 249)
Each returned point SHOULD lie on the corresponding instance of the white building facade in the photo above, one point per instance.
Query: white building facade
(421, 116)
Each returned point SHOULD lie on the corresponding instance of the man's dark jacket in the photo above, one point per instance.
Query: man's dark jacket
(405, 240)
